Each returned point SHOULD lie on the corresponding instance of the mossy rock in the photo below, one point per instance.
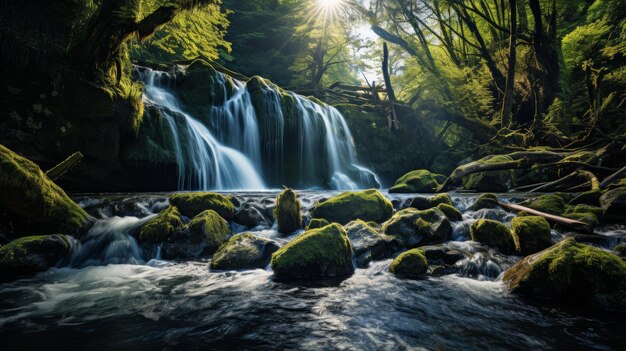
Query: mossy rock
(212, 227)
(585, 217)
(34, 202)
(588, 214)
(412, 227)
(418, 181)
(493, 233)
(160, 228)
(244, 251)
(287, 212)
(491, 181)
(411, 264)
(572, 273)
(620, 249)
(613, 204)
(317, 223)
(368, 205)
(486, 200)
(551, 204)
(251, 216)
(424, 203)
(368, 244)
(321, 252)
(591, 197)
(584, 208)
(31, 254)
(531, 234)
(191, 204)
(451, 212)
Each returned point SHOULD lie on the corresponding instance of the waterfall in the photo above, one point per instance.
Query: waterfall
(248, 140)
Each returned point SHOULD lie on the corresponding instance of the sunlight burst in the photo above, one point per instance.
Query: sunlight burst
(330, 8)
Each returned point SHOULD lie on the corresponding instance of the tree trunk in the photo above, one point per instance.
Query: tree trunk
(507, 104)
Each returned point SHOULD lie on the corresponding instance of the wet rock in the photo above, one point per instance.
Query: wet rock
(487, 200)
(613, 204)
(441, 255)
(451, 212)
(551, 204)
(210, 227)
(368, 205)
(368, 244)
(412, 227)
(251, 216)
(620, 250)
(572, 273)
(531, 234)
(287, 212)
(493, 233)
(591, 197)
(410, 264)
(191, 204)
(436, 271)
(418, 181)
(31, 254)
(424, 203)
(34, 202)
(244, 251)
(317, 223)
(322, 252)
(161, 227)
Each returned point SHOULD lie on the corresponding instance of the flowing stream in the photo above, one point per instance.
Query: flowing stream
(111, 294)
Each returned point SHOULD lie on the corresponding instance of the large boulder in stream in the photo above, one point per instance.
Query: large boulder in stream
(368, 244)
(613, 204)
(571, 273)
(34, 202)
(424, 203)
(321, 252)
(410, 264)
(161, 227)
(412, 227)
(191, 204)
(551, 204)
(418, 181)
(531, 234)
(287, 212)
(31, 254)
(210, 227)
(493, 233)
(368, 205)
(244, 251)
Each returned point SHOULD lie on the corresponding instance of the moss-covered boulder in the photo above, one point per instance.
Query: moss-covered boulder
(244, 251)
(287, 212)
(191, 204)
(493, 233)
(588, 214)
(591, 197)
(317, 223)
(487, 200)
(551, 204)
(412, 227)
(368, 244)
(33, 201)
(411, 264)
(620, 250)
(212, 228)
(531, 234)
(491, 181)
(321, 252)
(424, 203)
(418, 181)
(451, 212)
(613, 204)
(368, 205)
(31, 254)
(571, 273)
(161, 227)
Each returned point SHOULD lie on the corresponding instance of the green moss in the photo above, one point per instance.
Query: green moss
(244, 251)
(412, 227)
(613, 204)
(583, 208)
(435, 200)
(210, 225)
(620, 249)
(191, 204)
(572, 273)
(161, 227)
(491, 181)
(320, 252)
(451, 212)
(417, 181)
(585, 217)
(34, 201)
(31, 254)
(410, 263)
(493, 233)
(317, 223)
(368, 205)
(591, 197)
(487, 200)
(530, 234)
(287, 212)
(551, 204)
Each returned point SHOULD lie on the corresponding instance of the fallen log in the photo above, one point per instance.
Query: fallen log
(67, 165)
(567, 222)
(613, 177)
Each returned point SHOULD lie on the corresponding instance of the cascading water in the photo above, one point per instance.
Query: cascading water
(248, 141)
